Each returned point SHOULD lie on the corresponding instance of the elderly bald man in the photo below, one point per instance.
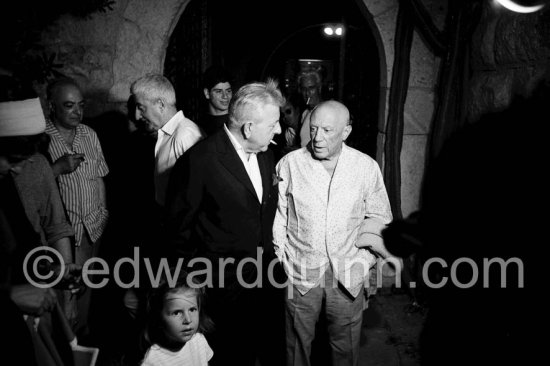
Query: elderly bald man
(327, 192)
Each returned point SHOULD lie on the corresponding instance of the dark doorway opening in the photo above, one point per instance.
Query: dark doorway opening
(257, 39)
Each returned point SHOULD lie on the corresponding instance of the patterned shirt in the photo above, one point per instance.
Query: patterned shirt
(80, 189)
(174, 138)
(318, 217)
(195, 352)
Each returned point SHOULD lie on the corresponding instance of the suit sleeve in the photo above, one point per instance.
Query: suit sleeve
(184, 198)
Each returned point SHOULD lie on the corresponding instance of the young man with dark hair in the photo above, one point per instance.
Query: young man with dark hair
(218, 92)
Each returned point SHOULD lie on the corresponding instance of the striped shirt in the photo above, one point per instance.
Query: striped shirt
(80, 189)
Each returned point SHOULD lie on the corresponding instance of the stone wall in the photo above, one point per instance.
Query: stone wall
(87, 49)
(106, 52)
(419, 105)
(510, 55)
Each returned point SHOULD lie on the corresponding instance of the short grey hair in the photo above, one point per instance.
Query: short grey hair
(155, 86)
(251, 96)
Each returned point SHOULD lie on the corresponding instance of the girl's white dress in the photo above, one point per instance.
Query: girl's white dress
(196, 352)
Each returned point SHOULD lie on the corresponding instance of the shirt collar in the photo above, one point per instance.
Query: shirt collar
(50, 127)
(172, 123)
(233, 139)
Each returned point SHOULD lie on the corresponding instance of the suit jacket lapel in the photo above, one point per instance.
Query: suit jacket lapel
(266, 172)
(230, 159)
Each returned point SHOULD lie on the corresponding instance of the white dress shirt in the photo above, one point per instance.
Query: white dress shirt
(174, 138)
(250, 162)
(319, 217)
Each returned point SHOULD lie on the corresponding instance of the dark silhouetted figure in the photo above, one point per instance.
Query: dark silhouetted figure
(479, 204)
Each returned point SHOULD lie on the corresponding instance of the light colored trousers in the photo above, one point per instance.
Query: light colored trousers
(344, 315)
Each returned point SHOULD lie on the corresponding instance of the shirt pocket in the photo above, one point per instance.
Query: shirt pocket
(89, 168)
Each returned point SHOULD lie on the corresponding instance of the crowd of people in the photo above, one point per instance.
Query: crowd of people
(260, 221)
(219, 195)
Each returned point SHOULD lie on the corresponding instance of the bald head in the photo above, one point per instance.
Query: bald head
(329, 129)
(332, 108)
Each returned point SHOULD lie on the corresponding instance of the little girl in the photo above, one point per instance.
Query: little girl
(175, 325)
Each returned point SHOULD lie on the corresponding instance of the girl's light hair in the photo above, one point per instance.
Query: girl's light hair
(153, 332)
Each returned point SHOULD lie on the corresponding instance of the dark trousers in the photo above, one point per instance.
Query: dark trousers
(249, 323)
(84, 252)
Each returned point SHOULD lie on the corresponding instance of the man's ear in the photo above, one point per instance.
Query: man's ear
(247, 129)
(161, 104)
(206, 93)
(51, 106)
(347, 131)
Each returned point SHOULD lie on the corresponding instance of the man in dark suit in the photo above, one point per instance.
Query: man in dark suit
(222, 199)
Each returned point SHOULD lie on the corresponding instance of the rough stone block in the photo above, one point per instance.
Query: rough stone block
(423, 64)
(413, 155)
(419, 109)
(386, 27)
(377, 7)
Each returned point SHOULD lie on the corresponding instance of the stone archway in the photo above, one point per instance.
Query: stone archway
(142, 40)
(145, 32)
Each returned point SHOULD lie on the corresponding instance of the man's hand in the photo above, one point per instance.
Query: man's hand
(72, 278)
(33, 300)
(68, 163)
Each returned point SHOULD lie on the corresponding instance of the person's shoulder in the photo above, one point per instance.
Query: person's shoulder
(199, 338)
(50, 127)
(38, 159)
(153, 356)
(87, 128)
(189, 125)
(199, 342)
(295, 157)
(358, 156)
(36, 169)
(87, 131)
(203, 150)
(205, 145)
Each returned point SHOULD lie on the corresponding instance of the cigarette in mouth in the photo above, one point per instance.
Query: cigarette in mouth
(308, 99)
(273, 142)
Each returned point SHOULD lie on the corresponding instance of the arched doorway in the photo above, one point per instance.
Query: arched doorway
(351, 64)
(143, 38)
(254, 42)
